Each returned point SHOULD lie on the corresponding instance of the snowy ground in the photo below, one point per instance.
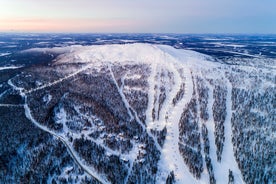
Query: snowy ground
(158, 58)
(10, 67)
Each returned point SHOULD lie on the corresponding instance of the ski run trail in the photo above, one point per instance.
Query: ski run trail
(171, 159)
(160, 58)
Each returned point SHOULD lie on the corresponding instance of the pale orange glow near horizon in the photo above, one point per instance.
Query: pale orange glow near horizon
(64, 25)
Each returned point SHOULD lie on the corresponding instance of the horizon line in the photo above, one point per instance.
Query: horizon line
(118, 33)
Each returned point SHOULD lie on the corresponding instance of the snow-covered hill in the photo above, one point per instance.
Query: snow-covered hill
(141, 113)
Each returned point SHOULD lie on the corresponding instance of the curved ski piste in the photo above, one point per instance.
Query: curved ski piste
(171, 159)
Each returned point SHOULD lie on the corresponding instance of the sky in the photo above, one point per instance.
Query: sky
(138, 16)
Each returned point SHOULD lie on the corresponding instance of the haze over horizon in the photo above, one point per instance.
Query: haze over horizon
(138, 16)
